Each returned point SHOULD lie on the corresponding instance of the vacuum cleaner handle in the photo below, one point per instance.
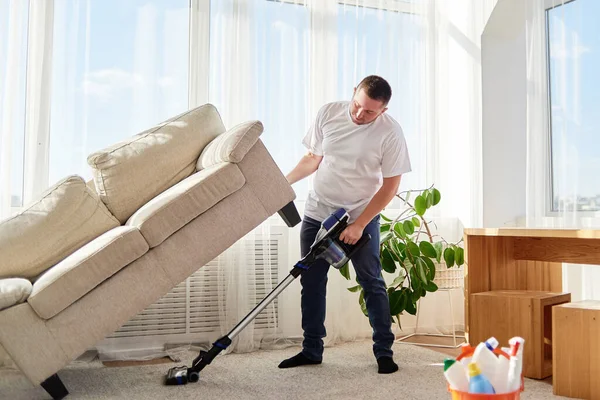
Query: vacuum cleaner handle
(361, 242)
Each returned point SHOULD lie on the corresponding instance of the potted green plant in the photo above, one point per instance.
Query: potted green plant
(410, 253)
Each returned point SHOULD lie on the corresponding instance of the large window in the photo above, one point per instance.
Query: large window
(266, 76)
(574, 62)
(119, 67)
(384, 42)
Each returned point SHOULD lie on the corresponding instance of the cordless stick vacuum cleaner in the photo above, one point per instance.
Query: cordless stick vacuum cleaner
(327, 246)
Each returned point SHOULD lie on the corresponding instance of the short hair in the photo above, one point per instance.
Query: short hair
(376, 88)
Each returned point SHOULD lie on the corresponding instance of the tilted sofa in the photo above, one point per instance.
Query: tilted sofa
(87, 256)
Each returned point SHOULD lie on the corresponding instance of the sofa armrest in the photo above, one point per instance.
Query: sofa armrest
(230, 146)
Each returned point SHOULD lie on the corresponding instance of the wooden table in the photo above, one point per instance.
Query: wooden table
(523, 259)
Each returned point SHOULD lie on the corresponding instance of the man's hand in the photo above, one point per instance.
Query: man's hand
(352, 234)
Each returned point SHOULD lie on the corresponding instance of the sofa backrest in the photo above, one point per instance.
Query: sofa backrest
(64, 218)
(129, 174)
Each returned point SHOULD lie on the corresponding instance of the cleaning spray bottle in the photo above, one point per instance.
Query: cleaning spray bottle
(486, 360)
(478, 383)
(456, 375)
(515, 366)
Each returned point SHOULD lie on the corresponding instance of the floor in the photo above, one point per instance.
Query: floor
(349, 371)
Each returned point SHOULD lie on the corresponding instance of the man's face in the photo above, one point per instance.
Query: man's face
(364, 109)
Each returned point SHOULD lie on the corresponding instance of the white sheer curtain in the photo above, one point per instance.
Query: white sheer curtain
(279, 61)
(118, 67)
(563, 159)
(13, 25)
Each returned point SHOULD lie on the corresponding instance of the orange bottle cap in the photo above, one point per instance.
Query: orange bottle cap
(466, 350)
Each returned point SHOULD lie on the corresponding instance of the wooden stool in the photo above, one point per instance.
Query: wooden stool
(528, 314)
(576, 345)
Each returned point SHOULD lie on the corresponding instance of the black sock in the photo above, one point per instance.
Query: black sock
(297, 360)
(386, 365)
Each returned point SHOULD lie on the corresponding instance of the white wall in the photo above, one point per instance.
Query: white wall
(504, 83)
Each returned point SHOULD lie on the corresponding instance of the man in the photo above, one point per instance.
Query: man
(359, 154)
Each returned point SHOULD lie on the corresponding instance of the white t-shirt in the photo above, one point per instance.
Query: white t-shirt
(356, 158)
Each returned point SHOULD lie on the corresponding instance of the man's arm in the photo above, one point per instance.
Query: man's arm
(307, 165)
(382, 198)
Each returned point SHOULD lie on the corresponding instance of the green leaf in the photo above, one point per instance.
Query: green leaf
(345, 271)
(416, 221)
(400, 249)
(385, 237)
(399, 324)
(400, 230)
(411, 308)
(387, 261)
(408, 196)
(420, 205)
(437, 196)
(459, 256)
(415, 282)
(431, 287)
(427, 249)
(409, 228)
(363, 303)
(399, 280)
(414, 249)
(383, 217)
(439, 249)
(449, 257)
(396, 302)
(430, 267)
(384, 228)
(429, 199)
(415, 296)
(422, 269)
(354, 289)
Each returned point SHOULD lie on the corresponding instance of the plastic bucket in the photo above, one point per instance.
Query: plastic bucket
(516, 395)
(456, 395)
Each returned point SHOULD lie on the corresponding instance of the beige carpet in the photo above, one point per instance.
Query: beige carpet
(348, 372)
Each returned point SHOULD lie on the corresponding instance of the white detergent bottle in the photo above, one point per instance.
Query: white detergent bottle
(515, 366)
(487, 361)
(456, 375)
(500, 378)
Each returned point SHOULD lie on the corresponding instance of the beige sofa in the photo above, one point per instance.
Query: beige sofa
(87, 256)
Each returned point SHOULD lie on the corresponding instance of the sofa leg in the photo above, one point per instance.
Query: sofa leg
(290, 215)
(55, 387)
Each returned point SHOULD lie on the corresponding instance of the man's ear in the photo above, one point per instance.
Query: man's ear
(354, 92)
(384, 110)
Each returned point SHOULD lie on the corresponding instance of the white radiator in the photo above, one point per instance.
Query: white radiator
(189, 313)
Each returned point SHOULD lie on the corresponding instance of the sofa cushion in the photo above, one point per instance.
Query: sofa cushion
(85, 269)
(230, 146)
(173, 209)
(13, 291)
(64, 218)
(129, 174)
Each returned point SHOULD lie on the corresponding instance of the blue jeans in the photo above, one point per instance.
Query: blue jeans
(367, 265)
